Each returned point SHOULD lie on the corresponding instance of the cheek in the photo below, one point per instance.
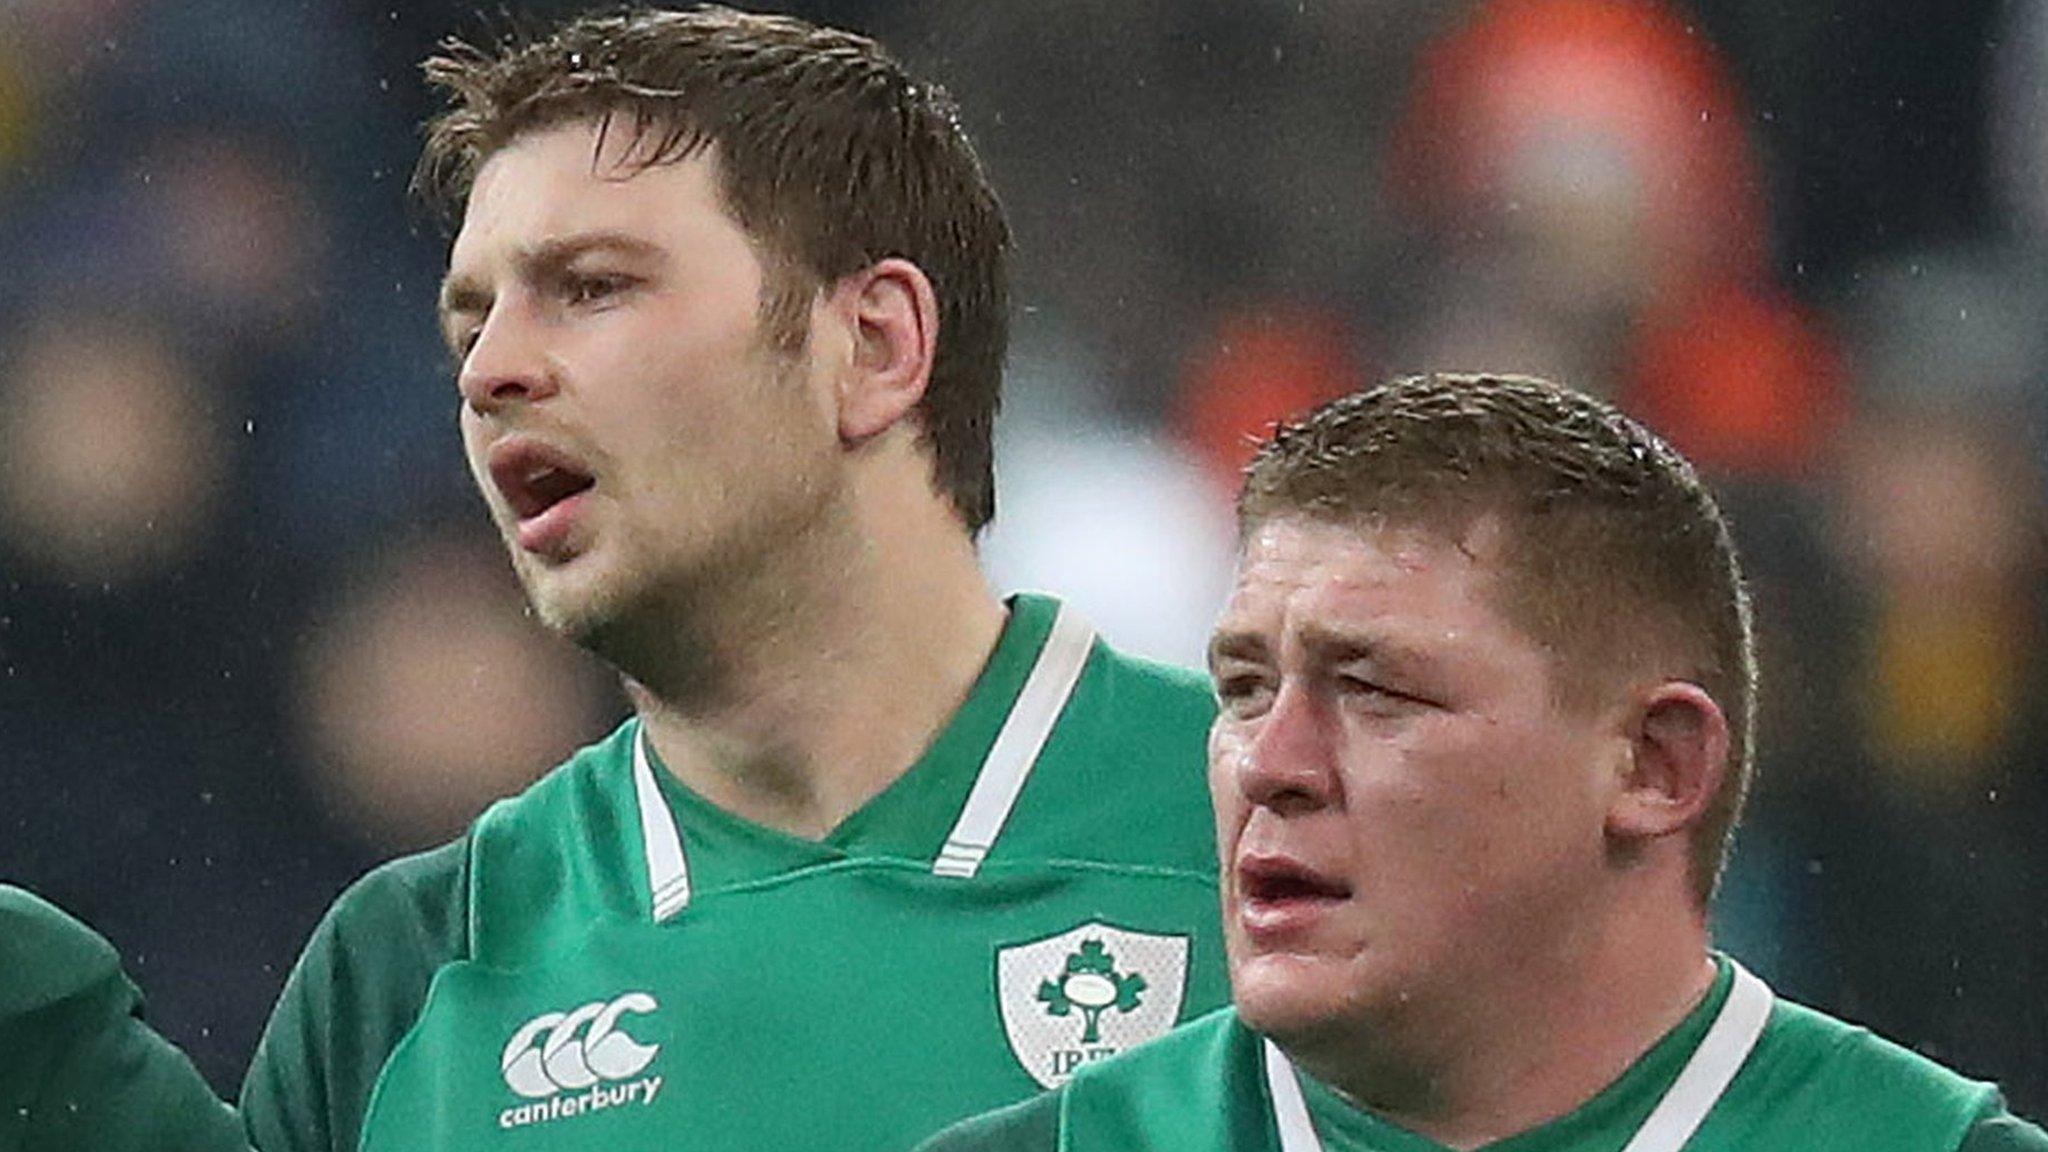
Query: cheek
(1226, 749)
(1437, 795)
(1509, 809)
(473, 447)
(1227, 746)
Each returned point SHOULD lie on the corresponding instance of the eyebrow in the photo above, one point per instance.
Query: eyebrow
(1335, 646)
(463, 295)
(1329, 645)
(1233, 644)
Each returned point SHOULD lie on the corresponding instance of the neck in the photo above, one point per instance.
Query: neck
(810, 685)
(1548, 1039)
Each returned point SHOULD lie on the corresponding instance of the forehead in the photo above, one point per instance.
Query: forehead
(573, 178)
(1297, 573)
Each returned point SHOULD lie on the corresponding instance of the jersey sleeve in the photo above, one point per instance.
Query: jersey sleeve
(356, 991)
(2001, 1131)
(1031, 1125)
(78, 1067)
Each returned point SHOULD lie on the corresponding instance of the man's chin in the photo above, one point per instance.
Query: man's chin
(573, 623)
(620, 629)
(1287, 996)
(566, 604)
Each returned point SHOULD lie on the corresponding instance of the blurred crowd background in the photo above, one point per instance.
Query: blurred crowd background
(255, 636)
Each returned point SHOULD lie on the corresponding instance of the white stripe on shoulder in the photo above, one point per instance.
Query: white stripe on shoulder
(668, 870)
(1290, 1111)
(1712, 1068)
(1015, 751)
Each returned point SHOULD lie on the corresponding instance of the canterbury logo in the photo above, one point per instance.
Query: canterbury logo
(558, 1051)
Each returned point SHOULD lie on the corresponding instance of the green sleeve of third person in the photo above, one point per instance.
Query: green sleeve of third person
(108, 1083)
(79, 1070)
(2001, 1131)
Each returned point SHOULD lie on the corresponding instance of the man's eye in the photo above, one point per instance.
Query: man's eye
(1243, 692)
(592, 289)
(1377, 697)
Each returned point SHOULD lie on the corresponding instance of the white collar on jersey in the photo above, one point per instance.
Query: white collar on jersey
(996, 788)
(1685, 1105)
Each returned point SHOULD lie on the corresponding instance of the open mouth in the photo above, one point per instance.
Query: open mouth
(1277, 880)
(533, 478)
(544, 488)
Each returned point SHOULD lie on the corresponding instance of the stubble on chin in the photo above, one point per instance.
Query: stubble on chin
(575, 610)
(621, 615)
(573, 623)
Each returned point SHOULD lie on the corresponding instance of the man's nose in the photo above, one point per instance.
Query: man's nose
(507, 364)
(1289, 764)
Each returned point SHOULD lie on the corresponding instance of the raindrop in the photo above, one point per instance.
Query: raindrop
(249, 427)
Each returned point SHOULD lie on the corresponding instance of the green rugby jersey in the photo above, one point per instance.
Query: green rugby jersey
(1745, 1072)
(609, 961)
(78, 1068)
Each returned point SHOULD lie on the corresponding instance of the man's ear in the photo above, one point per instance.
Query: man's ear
(1678, 744)
(892, 315)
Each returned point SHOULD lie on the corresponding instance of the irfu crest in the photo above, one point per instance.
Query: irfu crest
(1092, 983)
(1087, 993)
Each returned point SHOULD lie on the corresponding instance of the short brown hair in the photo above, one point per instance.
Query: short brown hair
(1617, 553)
(830, 156)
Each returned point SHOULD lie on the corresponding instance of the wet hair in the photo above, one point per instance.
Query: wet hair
(1616, 558)
(829, 155)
